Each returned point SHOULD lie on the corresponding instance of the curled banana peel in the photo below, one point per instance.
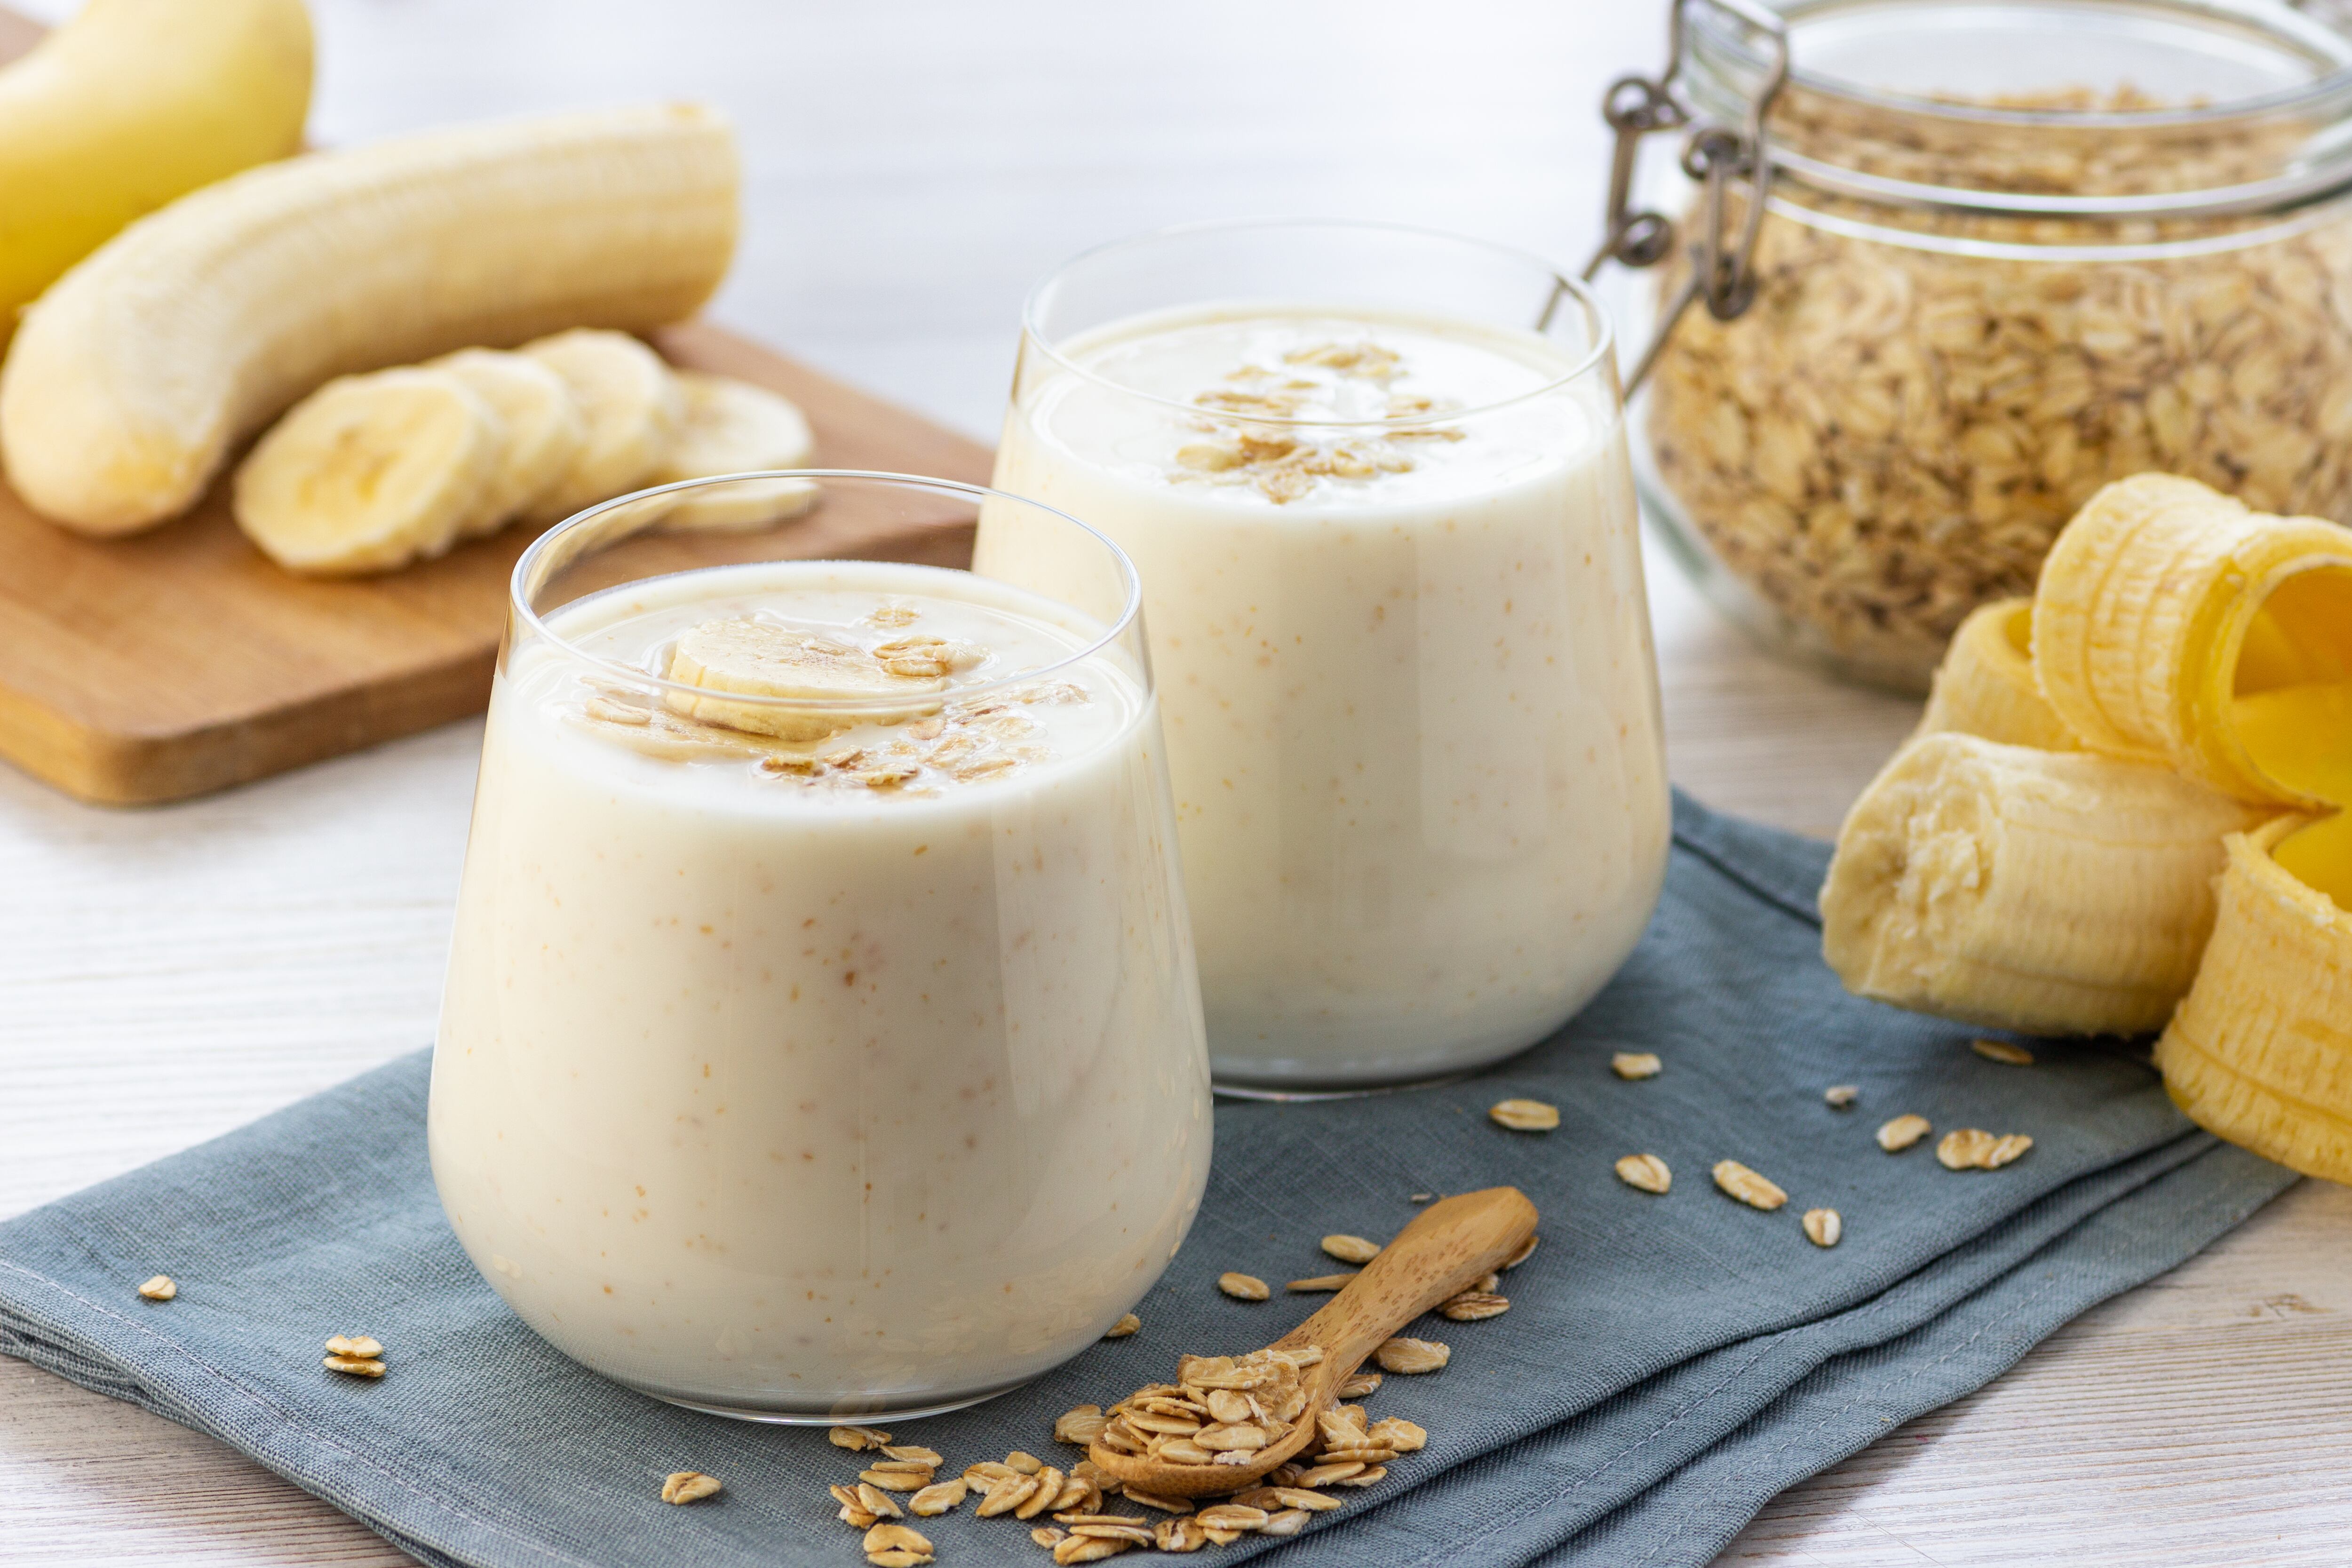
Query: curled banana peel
(2261, 1050)
(2050, 892)
(2173, 626)
(1986, 684)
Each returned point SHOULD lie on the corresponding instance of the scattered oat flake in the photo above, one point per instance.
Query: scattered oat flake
(1901, 1132)
(2008, 1149)
(1124, 1327)
(1290, 1522)
(896, 1546)
(354, 1365)
(1410, 1356)
(1840, 1096)
(1635, 1064)
(162, 1287)
(1420, 1197)
(1045, 1534)
(363, 1346)
(1965, 1149)
(1081, 1424)
(1320, 1283)
(2002, 1051)
(689, 1485)
(1244, 1287)
(857, 1438)
(1164, 1504)
(1021, 1459)
(1359, 1385)
(1646, 1172)
(1747, 1186)
(1351, 1248)
(1471, 1306)
(1823, 1227)
(939, 1497)
(1526, 1115)
(1526, 1251)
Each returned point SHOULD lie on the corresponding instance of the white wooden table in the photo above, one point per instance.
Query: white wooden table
(169, 974)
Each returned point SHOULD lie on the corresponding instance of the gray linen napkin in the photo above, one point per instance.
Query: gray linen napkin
(1667, 1364)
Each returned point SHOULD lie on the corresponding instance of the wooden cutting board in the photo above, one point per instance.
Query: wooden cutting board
(181, 661)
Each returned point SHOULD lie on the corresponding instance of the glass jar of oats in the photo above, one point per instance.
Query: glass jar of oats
(2010, 252)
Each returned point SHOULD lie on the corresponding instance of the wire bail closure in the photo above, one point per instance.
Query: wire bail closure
(1715, 155)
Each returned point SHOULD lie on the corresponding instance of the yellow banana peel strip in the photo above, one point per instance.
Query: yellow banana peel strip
(1986, 686)
(2171, 624)
(2261, 1050)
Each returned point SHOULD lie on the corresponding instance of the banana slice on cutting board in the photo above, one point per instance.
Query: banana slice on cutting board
(369, 473)
(2167, 611)
(632, 408)
(2050, 892)
(732, 427)
(1985, 685)
(545, 432)
(2261, 1051)
(761, 659)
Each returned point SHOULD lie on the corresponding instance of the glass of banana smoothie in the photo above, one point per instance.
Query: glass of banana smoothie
(822, 1037)
(1375, 480)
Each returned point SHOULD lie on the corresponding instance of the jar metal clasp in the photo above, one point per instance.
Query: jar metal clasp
(1715, 155)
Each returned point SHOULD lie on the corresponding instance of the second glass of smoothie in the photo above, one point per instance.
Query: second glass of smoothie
(1375, 481)
(821, 1037)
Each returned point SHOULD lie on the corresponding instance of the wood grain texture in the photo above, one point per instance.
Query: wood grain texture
(169, 974)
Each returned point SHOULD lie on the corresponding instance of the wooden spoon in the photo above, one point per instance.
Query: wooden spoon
(1449, 1248)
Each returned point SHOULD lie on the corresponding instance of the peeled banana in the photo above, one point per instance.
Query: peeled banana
(370, 472)
(544, 434)
(630, 403)
(2044, 891)
(1985, 685)
(730, 426)
(2164, 608)
(133, 376)
(2261, 1051)
(757, 658)
(128, 104)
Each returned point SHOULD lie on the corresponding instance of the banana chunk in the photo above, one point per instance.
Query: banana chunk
(630, 402)
(369, 473)
(544, 431)
(2256, 1053)
(761, 659)
(2164, 605)
(1985, 685)
(2048, 892)
(730, 426)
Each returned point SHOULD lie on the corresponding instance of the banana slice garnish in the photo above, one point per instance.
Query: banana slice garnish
(759, 659)
(369, 473)
(631, 404)
(544, 431)
(730, 426)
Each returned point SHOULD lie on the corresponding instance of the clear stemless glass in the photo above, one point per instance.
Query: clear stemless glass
(830, 1048)
(1375, 480)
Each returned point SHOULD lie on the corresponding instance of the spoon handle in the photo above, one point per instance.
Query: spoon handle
(1448, 1247)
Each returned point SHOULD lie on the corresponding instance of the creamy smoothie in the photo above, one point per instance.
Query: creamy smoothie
(1394, 594)
(825, 1058)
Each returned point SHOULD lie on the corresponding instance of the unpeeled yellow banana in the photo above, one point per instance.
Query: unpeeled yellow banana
(128, 104)
(1986, 687)
(130, 380)
(2050, 892)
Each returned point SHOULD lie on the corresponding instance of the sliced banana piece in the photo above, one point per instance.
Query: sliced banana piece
(761, 659)
(732, 427)
(2052, 892)
(630, 402)
(1985, 685)
(369, 473)
(545, 432)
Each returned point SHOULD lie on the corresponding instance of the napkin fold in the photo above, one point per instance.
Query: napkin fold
(1668, 1363)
